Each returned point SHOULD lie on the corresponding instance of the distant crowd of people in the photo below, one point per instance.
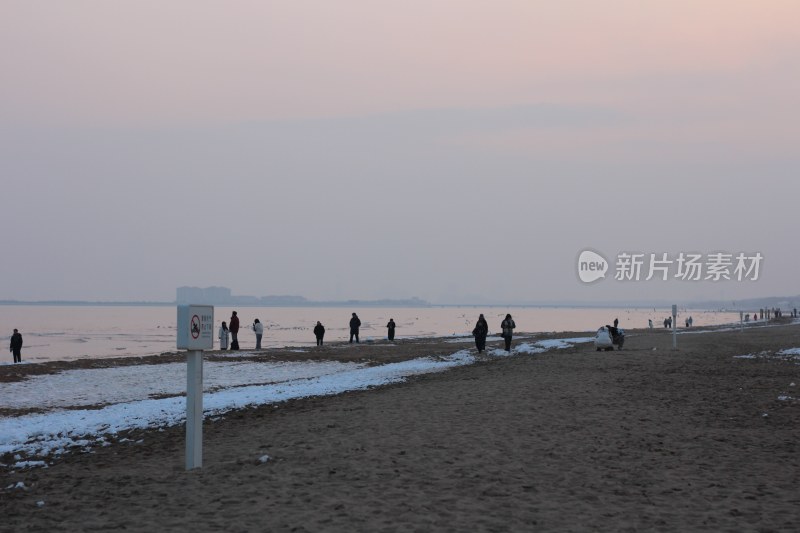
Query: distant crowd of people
(769, 314)
(228, 332)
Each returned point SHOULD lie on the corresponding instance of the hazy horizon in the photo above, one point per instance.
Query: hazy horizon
(452, 151)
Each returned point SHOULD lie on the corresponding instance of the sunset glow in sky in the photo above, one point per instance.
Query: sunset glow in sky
(459, 151)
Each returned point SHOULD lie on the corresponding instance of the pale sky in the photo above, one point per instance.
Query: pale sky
(458, 151)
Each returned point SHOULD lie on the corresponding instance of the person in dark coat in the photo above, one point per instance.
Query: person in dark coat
(391, 325)
(508, 330)
(617, 336)
(233, 327)
(480, 332)
(16, 346)
(319, 332)
(355, 323)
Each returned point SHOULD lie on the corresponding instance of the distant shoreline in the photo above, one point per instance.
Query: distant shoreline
(376, 304)
(366, 303)
(748, 305)
(359, 303)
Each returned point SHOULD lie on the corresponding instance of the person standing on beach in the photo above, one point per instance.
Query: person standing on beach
(391, 325)
(223, 336)
(508, 330)
(234, 329)
(258, 329)
(480, 332)
(616, 322)
(355, 323)
(319, 332)
(16, 346)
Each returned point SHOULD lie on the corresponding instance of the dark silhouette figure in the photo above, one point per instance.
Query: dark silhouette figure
(508, 330)
(391, 325)
(355, 323)
(319, 332)
(480, 332)
(617, 336)
(16, 346)
(233, 327)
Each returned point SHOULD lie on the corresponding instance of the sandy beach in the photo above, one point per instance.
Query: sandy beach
(644, 439)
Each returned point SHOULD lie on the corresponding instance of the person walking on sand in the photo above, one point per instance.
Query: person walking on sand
(258, 329)
(233, 327)
(355, 323)
(616, 322)
(480, 332)
(650, 323)
(16, 346)
(319, 332)
(508, 330)
(391, 325)
(223, 336)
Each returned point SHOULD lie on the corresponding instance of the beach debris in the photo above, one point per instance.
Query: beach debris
(264, 458)
(40, 503)
(791, 384)
(19, 485)
(765, 415)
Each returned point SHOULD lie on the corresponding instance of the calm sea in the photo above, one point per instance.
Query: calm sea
(74, 332)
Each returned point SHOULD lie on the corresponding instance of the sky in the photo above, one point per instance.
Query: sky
(456, 151)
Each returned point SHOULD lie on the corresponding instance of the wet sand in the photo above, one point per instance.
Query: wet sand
(644, 439)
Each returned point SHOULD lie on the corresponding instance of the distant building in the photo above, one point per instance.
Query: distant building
(283, 300)
(223, 296)
(208, 295)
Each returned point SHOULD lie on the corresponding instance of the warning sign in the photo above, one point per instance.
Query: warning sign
(195, 327)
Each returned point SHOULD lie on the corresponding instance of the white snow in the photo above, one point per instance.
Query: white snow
(539, 346)
(76, 388)
(122, 398)
(58, 430)
(788, 354)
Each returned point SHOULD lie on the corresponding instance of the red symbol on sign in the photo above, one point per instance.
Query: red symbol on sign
(195, 326)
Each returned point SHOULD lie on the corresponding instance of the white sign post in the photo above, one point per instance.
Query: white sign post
(674, 326)
(195, 333)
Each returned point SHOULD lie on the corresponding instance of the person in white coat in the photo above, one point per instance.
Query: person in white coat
(258, 328)
(223, 336)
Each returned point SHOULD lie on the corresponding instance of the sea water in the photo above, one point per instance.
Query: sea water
(61, 332)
